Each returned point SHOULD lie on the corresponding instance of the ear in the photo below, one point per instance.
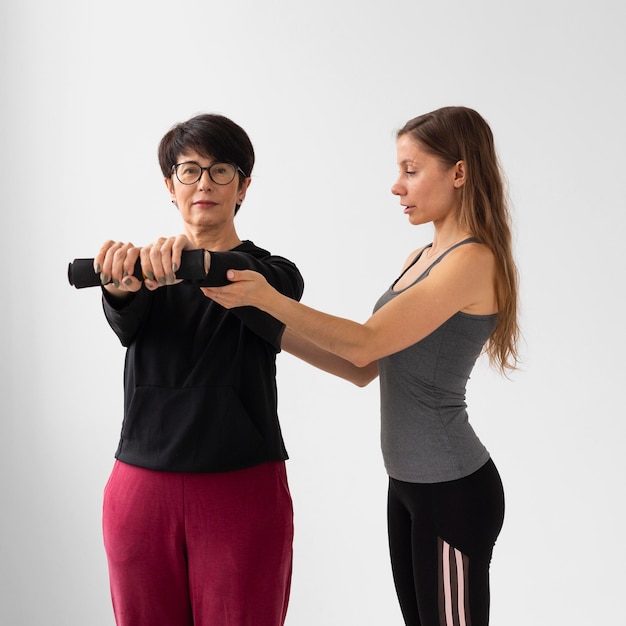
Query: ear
(459, 174)
(243, 188)
(170, 187)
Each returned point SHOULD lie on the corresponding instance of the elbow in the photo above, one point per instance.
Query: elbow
(360, 350)
(360, 359)
(359, 362)
(364, 375)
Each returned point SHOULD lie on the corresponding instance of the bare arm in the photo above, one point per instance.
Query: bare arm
(327, 361)
(463, 281)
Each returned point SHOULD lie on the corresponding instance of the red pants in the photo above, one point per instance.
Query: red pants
(199, 549)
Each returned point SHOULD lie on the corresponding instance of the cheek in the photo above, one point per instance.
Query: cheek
(417, 188)
(183, 197)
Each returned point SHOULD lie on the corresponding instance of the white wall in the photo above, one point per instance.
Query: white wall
(88, 91)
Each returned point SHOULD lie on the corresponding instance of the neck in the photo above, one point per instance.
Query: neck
(214, 239)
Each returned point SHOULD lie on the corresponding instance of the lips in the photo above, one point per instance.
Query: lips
(207, 204)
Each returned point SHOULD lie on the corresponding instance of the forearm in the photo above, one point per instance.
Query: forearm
(328, 362)
(354, 342)
(279, 272)
(125, 314)
(344, 338)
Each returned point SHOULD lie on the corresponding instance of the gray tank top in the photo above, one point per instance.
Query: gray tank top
(425, 433)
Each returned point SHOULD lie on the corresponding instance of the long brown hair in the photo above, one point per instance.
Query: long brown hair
(455, 134)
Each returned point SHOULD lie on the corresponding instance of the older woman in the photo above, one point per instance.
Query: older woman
(198, 519)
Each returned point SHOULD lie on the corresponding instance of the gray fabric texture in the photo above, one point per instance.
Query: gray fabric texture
(426, 436)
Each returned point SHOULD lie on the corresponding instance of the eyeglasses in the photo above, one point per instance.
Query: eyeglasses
(190, 172)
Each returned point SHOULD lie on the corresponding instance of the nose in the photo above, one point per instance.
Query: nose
(396, 188)
(205, 181)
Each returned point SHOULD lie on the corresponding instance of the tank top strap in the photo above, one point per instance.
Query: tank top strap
(438, 259)
(427, 270)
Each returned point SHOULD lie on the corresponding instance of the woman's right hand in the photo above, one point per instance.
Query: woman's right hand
(246, 288)
(115, 262)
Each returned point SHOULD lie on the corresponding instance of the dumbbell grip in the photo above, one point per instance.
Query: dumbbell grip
(81, 274)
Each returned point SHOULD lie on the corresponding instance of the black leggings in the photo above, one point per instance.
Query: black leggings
(441, 537)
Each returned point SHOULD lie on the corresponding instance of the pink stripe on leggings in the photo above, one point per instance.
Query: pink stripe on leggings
(452, 583)
(447, 591)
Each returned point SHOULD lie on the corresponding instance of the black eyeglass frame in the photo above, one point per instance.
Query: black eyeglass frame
(208, 169)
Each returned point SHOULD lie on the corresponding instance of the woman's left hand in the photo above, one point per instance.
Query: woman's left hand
(247, 288)
(160, 260)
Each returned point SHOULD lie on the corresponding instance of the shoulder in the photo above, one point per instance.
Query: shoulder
(282, 273)
(468, 265)
(261, 254)
(249, 247)
(474, 253)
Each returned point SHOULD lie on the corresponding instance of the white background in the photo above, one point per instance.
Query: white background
(88, 90)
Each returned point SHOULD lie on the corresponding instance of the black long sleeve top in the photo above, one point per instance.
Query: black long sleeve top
(200, 380)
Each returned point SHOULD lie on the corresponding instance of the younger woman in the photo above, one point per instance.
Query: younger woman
(453, 299)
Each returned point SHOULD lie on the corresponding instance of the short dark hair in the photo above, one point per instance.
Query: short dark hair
(210, 135)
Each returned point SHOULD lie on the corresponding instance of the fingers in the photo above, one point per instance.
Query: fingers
(243, 289)
(238, 275)
(211, 293)
(115, 262)
(222, 296)
(180, 243)
(160, 260)
(99, 258)
(154, 261)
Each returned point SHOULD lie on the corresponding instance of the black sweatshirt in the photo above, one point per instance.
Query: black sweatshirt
(200, 381)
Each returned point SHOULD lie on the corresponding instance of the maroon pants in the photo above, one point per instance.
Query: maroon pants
(199, 549)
